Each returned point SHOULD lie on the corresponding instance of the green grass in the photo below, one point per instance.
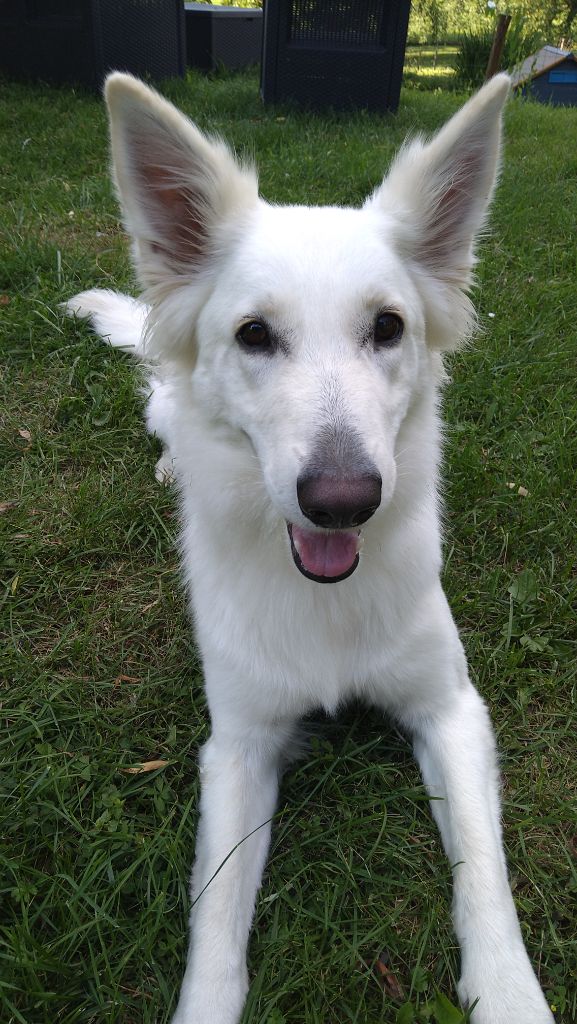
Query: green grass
(430, 67)
(99, 668)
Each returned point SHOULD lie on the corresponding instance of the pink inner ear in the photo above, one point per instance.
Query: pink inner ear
(457, 203)
(179, 220)
(171, 207)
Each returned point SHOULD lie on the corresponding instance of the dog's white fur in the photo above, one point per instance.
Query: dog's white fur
(240, 426)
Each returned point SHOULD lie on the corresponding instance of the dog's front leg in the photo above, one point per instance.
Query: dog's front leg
(456, 751)
(239, 781)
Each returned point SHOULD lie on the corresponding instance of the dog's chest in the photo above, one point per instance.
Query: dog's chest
(291, 645)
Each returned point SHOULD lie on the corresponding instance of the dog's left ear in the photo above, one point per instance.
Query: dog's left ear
(435, 199)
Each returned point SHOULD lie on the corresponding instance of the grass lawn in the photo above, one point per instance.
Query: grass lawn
(430, 67)
(99, 669)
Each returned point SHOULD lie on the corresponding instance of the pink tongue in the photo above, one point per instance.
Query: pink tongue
(326, 554)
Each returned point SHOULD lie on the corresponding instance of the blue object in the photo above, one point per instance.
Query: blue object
(568, 77)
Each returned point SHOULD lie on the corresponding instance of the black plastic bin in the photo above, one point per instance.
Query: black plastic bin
(230, 36)
(334, 53)
(79, 41)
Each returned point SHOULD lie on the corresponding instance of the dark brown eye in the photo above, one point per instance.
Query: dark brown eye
(388, 330)
(254, 335)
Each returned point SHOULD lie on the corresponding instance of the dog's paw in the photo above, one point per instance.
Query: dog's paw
(507, 994)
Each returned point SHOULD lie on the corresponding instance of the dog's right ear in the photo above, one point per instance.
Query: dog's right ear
(180, 192)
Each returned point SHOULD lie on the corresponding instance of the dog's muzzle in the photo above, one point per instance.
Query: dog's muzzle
(340, 505)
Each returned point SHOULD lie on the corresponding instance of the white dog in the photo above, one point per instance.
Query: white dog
(296, 358)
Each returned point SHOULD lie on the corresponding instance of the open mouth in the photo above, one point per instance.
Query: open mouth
(325, 557)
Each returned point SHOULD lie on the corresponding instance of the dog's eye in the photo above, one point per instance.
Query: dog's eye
(388, 330)
(254, 336)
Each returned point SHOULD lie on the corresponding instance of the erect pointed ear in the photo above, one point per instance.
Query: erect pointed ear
(178, 189)
(436, 197)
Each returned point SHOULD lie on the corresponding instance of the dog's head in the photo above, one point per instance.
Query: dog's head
(312, 331)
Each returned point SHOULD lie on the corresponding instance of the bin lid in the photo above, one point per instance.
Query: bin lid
(217, 11)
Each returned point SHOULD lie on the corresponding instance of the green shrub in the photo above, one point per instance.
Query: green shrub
(521, 42)
(475, 48)
(472, 58)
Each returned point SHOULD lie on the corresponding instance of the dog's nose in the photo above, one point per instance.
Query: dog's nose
(339, 503)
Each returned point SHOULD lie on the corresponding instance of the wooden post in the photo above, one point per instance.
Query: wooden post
(496, 54)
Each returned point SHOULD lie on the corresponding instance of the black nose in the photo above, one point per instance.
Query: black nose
(339, 503)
